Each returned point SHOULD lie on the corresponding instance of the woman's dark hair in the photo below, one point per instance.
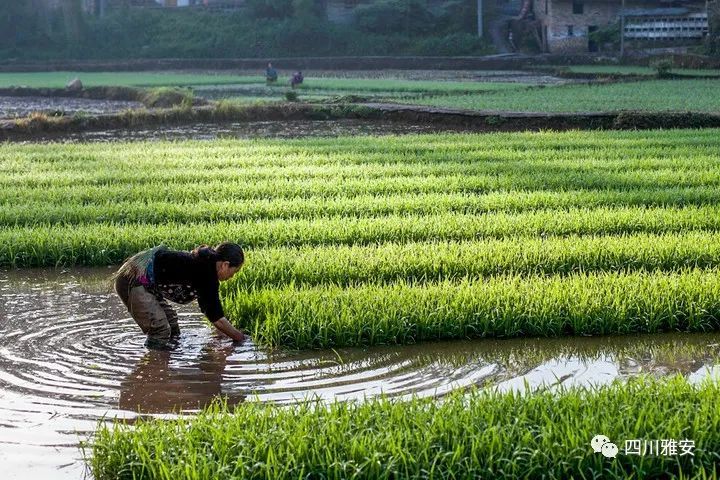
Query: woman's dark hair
(223, 252)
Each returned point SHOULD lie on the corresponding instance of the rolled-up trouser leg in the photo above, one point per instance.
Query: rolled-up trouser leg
(150, 316)
(122, 288)
(147, 312)
(172, 317)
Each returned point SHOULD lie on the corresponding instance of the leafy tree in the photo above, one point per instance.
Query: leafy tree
(712, 43)
(269, 8)
(410, 17)
(458, 16)
(14, 18)
(73, 17)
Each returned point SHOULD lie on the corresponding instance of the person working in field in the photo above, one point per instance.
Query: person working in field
(296, 79)
(147, 280)
(271, 74)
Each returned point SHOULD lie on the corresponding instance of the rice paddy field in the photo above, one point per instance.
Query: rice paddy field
(127, 79)
(369, 240)
(651, 95)
(482, 92)
(375, 241)
(639, 70)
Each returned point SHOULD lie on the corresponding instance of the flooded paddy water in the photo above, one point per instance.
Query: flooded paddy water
(248, 130)
(15, 107)
(70, 356)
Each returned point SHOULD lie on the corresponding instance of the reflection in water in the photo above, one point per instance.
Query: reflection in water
(157, 386)
(70, 355)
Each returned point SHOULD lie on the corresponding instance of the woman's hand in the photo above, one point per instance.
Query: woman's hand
(226, 327)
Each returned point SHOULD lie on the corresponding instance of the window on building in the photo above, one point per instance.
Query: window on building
(547, 2)
(570, 30)
(578, 6)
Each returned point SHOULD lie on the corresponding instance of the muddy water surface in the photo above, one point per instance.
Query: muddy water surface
(247, 130)
(70, 355)
(13, 107)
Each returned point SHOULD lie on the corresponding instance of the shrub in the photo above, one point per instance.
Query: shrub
(662, 68)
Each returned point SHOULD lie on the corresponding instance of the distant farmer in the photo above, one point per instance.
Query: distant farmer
(296, 79)
(147, 280)
(271, 75)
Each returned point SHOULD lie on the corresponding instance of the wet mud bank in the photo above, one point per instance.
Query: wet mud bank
(128, 94)
(11, 108)
(29, 128)
(149, 97)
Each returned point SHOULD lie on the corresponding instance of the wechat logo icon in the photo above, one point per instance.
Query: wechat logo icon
(602, 444)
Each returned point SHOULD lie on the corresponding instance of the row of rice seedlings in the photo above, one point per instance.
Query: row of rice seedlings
(504, 306)
(354, 164)
(480, 434)
(105, 243)
(180, 209)
(652, 95)
(609, 144)
(383, 150)
(314, 190)
(559, 177)
(421, 262)
(98, 168)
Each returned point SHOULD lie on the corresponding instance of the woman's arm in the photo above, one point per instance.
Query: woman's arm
(226, 327)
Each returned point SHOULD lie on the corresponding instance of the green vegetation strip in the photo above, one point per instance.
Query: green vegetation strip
(171, 79)
(103, 243)
(638, 70)
(505, 306)
(117, 79)
(117, 205)
(654, 95)
(483, 434)
(409, 86)
(72, 206)
(431, 261)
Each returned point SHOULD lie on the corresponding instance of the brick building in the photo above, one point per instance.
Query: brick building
(565, 25)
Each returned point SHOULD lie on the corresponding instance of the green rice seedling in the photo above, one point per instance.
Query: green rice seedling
(420, 262)
(74, 206)
(103, 243)
(504, 306)
(639, 70)
(655, 95)
(479, 434)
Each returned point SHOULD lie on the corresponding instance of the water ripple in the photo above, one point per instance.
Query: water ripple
(70, 355)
